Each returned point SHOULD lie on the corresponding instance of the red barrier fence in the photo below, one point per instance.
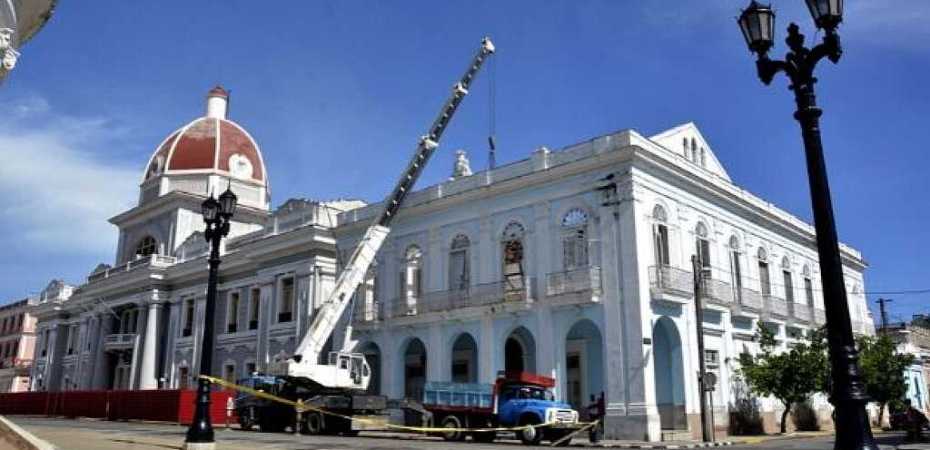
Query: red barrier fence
(156, 405)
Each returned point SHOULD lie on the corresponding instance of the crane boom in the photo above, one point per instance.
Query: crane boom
(348, 370)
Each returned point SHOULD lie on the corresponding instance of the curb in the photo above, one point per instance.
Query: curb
(20, 438)
(656, 445)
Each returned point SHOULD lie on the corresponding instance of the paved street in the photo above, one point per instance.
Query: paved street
(84, 434)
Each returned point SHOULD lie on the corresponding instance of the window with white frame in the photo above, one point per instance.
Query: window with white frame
(411, 278)
(459, 270)
(736, 273)
(188, 318)
(711, 358)
(146, 246)
(255, 299)
(787, 280)
(232, 312)
(513, 257)
(808, 286)
(286, 304)
(703, 248)
(575, 239)
(765, 283)
(367, 294)
(660, 235)
(694, 150)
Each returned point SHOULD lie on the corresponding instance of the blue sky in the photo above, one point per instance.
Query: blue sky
(336, 93)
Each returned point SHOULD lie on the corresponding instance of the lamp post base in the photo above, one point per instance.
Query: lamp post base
(200, 446)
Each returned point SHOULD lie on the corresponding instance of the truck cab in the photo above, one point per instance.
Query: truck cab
(524, 399)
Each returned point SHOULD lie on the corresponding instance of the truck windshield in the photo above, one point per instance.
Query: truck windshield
(528, 393)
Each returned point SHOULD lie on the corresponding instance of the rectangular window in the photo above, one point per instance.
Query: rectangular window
(188, 318)
(458, 270)
(249, 369)
(255, 299)
(737, 276)
(764, 283)
(183, 378)
(286, 311)
(229, 373)
(711, 357)
(661, 245)
(809, 291)
(72, 337)
(232, 312)
(703, 248)
(789, 286)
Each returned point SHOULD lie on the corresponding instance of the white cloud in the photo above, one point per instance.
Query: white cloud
(57, 188)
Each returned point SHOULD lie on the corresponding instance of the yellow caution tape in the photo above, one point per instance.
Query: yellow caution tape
(302, 407)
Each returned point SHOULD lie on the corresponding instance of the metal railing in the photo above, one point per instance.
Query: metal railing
(119, 340)
(478, 295)
(717, 291)
(800, 311)
(775, 306)
(750, 299)
(129, 266)
(671, 280)
(577, 280)
(820, 316)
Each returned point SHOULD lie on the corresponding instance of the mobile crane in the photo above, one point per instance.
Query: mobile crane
(346, 373)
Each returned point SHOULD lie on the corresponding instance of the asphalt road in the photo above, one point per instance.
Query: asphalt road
(87, 434)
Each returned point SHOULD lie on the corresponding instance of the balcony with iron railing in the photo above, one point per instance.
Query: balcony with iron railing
(670, 283)
(800, 312)
(574, 287)
(717, 292)
(487, 294)
(774, 307)
(119, 341)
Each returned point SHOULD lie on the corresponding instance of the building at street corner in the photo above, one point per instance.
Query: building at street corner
(574, 263)
(17, 342)
(20, 20)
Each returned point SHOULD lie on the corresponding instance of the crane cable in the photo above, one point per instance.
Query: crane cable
(492, 114)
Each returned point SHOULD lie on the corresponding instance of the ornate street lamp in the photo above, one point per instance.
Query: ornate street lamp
(757, 24)
(216, 214)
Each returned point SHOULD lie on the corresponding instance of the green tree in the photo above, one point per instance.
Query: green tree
(882, 370)
(790, 376)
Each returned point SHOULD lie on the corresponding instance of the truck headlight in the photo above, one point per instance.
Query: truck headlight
(551, 414)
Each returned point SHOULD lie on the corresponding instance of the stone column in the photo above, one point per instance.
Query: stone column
(486, 349)
(147, 375)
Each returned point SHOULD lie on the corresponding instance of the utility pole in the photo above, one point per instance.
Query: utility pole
(881, 306)
(706, 431)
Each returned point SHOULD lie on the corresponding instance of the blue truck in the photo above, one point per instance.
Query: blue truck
(514, 399)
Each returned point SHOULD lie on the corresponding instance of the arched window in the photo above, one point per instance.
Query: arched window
(703, 247)
(703, 157)
(694, 150)
(787, 279)
(574, 239)
(147, 246)
(765, 283)
(512, 242)
(736, 272)
(684, 145)
(411, 284)
(808, 286)
(660, 235)
(458, 263)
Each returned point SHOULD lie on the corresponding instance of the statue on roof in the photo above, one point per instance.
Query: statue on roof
(462, 167)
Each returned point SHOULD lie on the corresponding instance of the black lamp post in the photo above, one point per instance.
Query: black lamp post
(216, 214)
(757, 23)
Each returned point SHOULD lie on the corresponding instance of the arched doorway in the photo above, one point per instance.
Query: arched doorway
(584, 363)
(373, 355)
(669, 375)
(520, 351)
(414, 369)
(464, 359)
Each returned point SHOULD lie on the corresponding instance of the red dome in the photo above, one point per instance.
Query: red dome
(209, 144)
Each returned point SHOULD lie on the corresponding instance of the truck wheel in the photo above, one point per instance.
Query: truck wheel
(314, 423)
(247, 419)
(484, 437)
(452, 422)
(531, 435)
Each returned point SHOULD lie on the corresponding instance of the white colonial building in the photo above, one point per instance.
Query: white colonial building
(574, 263)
